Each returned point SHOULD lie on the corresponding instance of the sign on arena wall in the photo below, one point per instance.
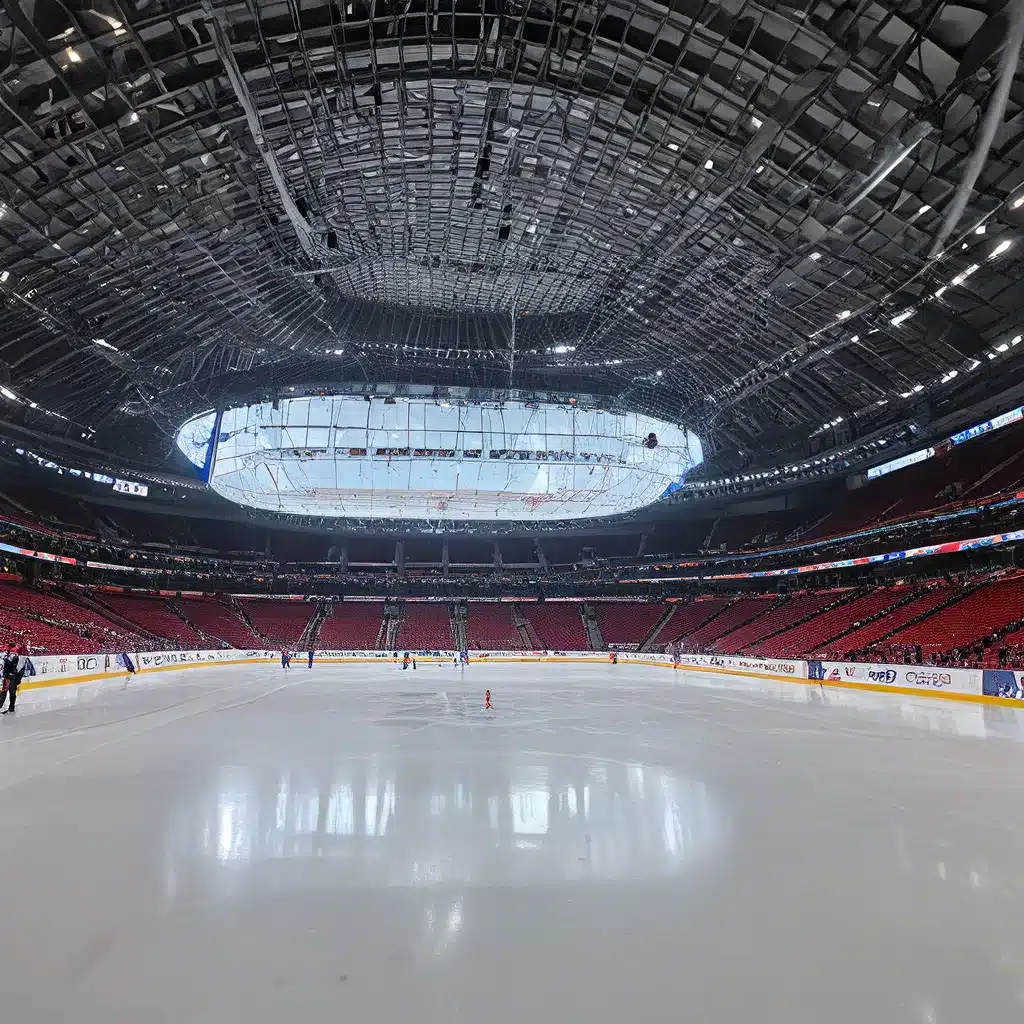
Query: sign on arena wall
(160, 659)
(355, 654)
(57, 666)
(758, 666)
(919, 677)
(1003, 682)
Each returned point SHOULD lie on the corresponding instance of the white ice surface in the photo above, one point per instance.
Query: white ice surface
(607, 844)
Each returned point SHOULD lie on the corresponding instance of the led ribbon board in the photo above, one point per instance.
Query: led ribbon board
(419, 458)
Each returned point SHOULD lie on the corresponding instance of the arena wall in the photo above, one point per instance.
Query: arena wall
(62, 678)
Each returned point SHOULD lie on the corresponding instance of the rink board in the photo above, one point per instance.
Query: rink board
(77, 675)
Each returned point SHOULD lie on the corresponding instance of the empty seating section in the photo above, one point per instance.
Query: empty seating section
(219, 621)
(491, 627)
(796, 608)
(1014, 637)
(558, 626)
(425, 627)
(281, 622)
(154, 616)
(965, 622)
(969, 472)
(626, 622)
(810, 635)
(86, 626)
(741, 611)
(736, 532)
(871, 632)
(352, 626)
(689, 617)
(1008, 477)
(41, 637)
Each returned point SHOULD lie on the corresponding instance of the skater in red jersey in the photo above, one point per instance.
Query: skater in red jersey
(487, 699)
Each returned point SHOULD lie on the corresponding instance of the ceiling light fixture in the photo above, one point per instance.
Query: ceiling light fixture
(844, 314)
(709, 164)
(73, 55)
(963, 275)
(1000, 248)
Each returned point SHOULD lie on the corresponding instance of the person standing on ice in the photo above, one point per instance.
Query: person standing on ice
(286, 659)
(311, 653)
(15, 663)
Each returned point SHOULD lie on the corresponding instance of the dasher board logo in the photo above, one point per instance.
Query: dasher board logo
(928, 677)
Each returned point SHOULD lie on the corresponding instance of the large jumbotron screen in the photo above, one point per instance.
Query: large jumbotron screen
(422, 458)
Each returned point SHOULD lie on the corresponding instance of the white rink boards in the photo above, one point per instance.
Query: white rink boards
(357, 841)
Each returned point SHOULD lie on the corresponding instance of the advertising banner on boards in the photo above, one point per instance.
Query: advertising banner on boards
(920, 677)
(757, 666)
(1003, 682)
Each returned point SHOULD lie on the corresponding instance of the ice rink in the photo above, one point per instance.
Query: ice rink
(607, 844)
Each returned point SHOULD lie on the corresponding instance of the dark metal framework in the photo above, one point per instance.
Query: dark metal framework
(679, 205)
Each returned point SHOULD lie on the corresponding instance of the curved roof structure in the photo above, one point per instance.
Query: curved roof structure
(771, 222)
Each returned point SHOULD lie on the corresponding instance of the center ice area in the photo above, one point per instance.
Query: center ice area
(607, 843)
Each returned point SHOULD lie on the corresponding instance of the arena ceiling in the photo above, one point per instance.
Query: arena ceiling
(721, 212)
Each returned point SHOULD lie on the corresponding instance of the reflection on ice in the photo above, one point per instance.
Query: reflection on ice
(547, 818)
